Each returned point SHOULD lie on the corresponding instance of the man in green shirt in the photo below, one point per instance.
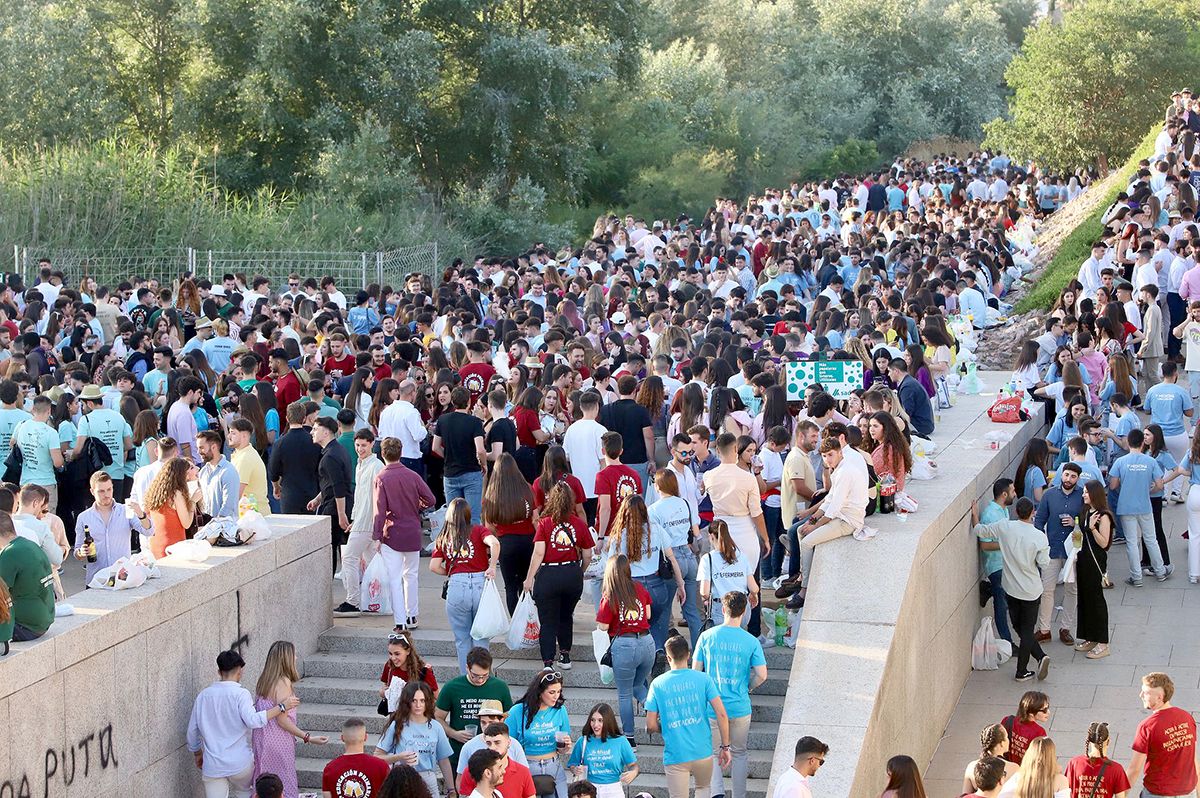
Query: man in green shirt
(459, 700)
(26, 571)
(345, 419)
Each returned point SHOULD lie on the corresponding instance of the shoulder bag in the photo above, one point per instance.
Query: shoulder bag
(1099, 778)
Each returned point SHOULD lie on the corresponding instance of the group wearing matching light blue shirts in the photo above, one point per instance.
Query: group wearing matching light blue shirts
(1134, 474)
(427, 738)
(1168, 403)
(682, 698)
(605, 760)
(540, 736)
(729, 655)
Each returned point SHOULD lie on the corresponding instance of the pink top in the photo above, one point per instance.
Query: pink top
(885, 465)
(1189, 286)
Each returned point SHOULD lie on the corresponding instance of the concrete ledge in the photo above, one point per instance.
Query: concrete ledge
(100, 705)
(883, 649)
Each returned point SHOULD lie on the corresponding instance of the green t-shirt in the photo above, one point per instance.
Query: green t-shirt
(346, 439)
(26, 571)
(461, 699)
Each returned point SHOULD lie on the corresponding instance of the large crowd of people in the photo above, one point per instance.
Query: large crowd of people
(609, 424)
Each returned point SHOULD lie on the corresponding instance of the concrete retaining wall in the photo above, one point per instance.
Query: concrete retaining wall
(884, 647)
(100, 705)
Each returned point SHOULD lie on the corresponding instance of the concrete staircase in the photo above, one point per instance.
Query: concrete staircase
(342, 680)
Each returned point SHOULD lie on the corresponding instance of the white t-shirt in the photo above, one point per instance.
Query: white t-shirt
(585, 450)
(725, 576)
(772, 471)
(792, 785)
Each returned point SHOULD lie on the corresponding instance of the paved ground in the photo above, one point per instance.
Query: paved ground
(1154, 628)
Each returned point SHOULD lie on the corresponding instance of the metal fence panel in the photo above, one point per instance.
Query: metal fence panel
(350, 270)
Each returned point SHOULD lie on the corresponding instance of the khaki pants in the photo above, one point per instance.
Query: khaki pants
(835, 529)
(1070, 600)
(1151, 374)
(240, 785)
(679, 776)
(739, 732)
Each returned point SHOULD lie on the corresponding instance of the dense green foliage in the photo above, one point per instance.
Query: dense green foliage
(1085, 91)
(1077, 246)
(497, 112)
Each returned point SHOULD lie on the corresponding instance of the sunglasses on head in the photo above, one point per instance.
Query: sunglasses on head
(550, 677)
(399, 639)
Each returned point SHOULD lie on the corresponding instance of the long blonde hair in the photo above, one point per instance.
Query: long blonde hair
(1038, 770)
(280, 664)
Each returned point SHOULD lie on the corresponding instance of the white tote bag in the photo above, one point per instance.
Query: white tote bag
(985, 656)
(491, 619)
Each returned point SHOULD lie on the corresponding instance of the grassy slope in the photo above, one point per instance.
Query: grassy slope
(1075, 247)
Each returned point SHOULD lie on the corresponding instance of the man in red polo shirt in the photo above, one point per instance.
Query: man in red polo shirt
(354, 774)
(518, 783)
(1164, 746)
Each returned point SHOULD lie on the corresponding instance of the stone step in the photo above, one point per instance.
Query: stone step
(650, 754)
(310, 770)
(517, 672)
(440, 643)
(327, 718)
(359, 699)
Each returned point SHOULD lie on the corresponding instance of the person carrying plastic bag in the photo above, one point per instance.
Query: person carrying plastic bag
(466, 555)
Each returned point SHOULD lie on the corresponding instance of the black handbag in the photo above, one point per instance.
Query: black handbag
(664, 566)
(382, 709)
(96, 455)
(12, 465)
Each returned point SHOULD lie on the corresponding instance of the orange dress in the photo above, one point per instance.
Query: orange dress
(168, 530)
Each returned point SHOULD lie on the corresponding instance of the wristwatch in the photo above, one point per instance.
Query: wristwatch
(282, 706)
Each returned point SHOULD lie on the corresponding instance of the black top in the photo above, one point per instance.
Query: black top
(504, 432)
(293, 463)
(628, 418)
(458, 432)
(335, 477)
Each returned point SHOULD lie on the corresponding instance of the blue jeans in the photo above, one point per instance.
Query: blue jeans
(1000, 605)
(772, 564)
(1139, 528)
(632, 657)
(643, 472)
(462, 602)
(793, 535)
(660, 591)
(688, 569)
(469, 487)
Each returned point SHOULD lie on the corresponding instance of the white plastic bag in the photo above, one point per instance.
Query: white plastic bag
(375, 590)
(254, 526)
(985, 655)
(190, 550)
(600, 643)
(124, 574)
(491, 619)
(1067, 575)
(525, 629)
(392, 693)
(923, 468)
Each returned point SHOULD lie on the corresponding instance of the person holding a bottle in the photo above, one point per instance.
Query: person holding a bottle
(1056, 516)
(108, 525)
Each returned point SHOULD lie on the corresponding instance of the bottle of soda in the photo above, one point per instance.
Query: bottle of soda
(887, 494)
(89, 545)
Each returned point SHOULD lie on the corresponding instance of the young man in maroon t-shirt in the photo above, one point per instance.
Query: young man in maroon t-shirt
(1164, 746)
(615, 483)
(339, 363)
(478, 372)
(354, 774)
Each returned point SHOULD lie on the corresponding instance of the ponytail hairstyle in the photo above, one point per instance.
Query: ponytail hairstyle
(725, 545)
(1096, 741)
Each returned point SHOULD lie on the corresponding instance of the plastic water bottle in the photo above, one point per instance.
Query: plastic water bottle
(781, 626)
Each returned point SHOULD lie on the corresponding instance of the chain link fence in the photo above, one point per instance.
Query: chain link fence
(350, 270)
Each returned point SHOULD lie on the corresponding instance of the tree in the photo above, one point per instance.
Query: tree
(1086, 91)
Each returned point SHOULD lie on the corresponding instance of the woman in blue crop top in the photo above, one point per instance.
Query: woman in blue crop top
(539, 723)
